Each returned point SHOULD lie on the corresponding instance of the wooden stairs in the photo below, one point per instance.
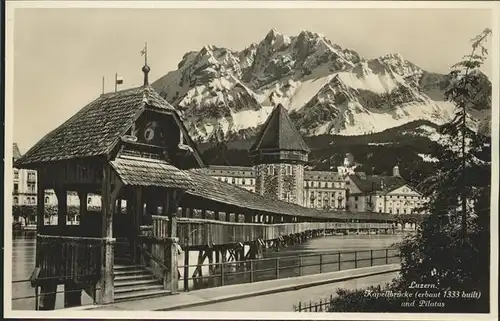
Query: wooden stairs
(133, 281)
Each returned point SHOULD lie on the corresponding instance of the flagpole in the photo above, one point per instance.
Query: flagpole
(116, 82)
(103, 85)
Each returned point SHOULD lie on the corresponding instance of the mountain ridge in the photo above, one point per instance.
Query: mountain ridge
(225, 94)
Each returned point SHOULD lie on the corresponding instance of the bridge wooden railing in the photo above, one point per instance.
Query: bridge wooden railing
(193, 232)
(63, 258)
(153, 249)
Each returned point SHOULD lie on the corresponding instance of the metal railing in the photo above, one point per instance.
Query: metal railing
(238, 272)
(34, 299)
(321, 306)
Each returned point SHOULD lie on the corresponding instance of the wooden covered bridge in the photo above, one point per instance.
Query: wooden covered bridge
(132, 148)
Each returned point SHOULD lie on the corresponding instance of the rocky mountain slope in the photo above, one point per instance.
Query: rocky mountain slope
(225, 94)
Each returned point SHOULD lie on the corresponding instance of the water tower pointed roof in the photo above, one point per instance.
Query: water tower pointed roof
(279, 133)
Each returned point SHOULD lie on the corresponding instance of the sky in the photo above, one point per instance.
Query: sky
(61, 55)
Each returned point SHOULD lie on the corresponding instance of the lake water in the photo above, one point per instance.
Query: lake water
(23, 260)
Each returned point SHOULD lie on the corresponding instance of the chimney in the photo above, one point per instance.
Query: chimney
(395, 171)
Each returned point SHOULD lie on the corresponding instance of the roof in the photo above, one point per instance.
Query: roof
(95, 129)
(151, 172)
(210, 188)
(370, 183)
(279, 133)
(323, 176)
(16, 154)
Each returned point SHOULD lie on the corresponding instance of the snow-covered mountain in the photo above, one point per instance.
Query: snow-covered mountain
(226, 94)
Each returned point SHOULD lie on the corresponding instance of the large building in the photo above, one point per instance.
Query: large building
(240, 176)
(383, 194)
(324, 190)
(24, 185)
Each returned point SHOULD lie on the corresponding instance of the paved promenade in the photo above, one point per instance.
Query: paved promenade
(241, 297)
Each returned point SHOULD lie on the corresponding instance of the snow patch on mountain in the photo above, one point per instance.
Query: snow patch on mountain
(363, 121)
(428, 158)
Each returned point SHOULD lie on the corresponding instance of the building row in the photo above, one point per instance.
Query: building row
(328, 190)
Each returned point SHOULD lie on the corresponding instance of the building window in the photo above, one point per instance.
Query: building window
(233, 180)
(46, 200)
(16, 188)
(31, 176)
(16, 200)
(355, 198)
(16, 174)
(243, 181)
(89, 200)
(31, 188)
(355, 206)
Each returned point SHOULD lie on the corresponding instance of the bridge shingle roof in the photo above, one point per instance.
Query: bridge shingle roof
(158, 173)
(95, 128)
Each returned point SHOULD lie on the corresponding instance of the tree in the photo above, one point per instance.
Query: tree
(451, 247)
(466, 91)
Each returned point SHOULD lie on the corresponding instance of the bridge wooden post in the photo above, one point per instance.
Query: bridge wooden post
(82, 196)
(137, 209)
(62, 207)
(40, 206)
(109, 195)
(72, 295)
(47, 298)
(171, 204)
(186, 269)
